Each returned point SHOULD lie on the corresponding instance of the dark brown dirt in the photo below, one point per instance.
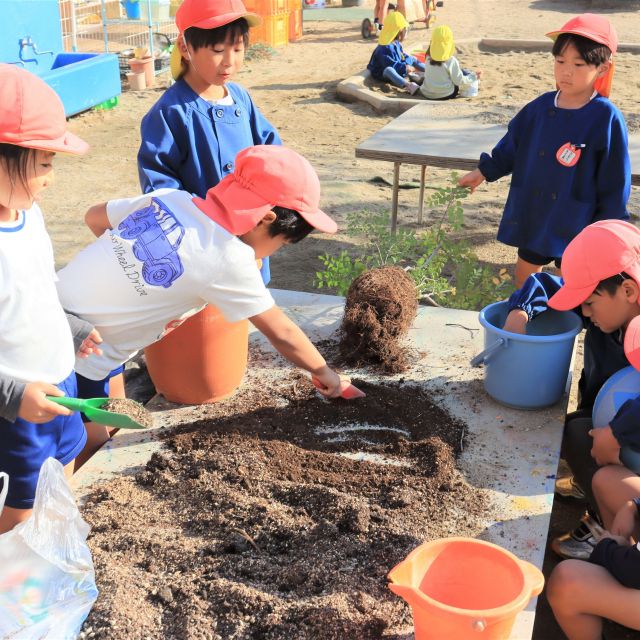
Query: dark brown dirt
(380, 308)
(131, 409)
(256, 523)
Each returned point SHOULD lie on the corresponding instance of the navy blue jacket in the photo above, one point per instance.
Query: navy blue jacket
(190, 144)
(622, 561)
(603, 356)
(389, 55)
(548, 203)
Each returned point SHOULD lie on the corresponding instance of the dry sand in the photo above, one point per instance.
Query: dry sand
(295, 89)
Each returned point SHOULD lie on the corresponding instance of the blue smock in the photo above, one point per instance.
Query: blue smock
(390, 55)
(190, 144)
(548, 203)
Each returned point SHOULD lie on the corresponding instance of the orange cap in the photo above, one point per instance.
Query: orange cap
(265, 176)
(598, 29)
(210, 14)
(32, 114)
(207, 14)
(600, 251)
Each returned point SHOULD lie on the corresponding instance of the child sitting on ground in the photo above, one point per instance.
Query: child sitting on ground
(443, 76)
(36, 343)
(601, 271)
(165, 255)
(389, 63)
(192, 135)
(567, 152)
(582, 593)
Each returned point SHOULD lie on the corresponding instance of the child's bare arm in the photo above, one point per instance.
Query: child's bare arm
(516, 321)
(97, 220)
(289, 340)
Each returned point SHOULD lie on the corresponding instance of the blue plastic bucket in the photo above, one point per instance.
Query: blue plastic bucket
(527, 371)
(132, 9)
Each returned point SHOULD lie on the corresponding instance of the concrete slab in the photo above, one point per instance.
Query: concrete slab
(354, 89)
(512, 454)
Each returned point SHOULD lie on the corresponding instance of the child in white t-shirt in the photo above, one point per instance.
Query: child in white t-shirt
(161, 257)
(36, 343)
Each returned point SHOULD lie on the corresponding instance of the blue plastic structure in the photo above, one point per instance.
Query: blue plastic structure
(31, 36)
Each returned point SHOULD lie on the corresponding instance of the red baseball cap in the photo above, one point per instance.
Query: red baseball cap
(207, 14)
(210, 14)
(265, 176)
(598, 29)
(589, 25)
(32, 114)
(601, 250)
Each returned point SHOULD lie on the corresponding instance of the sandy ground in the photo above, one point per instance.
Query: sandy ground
(295, 89)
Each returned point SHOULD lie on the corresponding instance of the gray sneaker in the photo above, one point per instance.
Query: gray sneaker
(579, 543)
(568, 488)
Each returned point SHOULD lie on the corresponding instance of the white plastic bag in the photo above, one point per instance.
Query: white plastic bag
(47, 581)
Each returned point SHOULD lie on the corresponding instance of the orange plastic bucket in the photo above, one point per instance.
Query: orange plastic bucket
(202, 360)
(464, 588)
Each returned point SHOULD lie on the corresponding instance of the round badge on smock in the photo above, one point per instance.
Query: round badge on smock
(569, 154)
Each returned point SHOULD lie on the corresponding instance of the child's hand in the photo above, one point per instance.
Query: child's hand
(471, 180)
(90, 344)
(516, 321)
(625, 520)
(36, 408)
(478, 73)
(606, 449)
(329, 382)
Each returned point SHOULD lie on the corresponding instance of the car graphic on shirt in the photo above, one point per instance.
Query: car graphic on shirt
(157, 236)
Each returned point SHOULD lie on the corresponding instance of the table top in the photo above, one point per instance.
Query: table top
(454, 143)
(513, 455)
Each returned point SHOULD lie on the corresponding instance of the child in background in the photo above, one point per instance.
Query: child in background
(164, 255)
(192, 135)
(389, 63)
(443, 76)
(582, 593)
(36, 342)
(566, 150)
(601, 271)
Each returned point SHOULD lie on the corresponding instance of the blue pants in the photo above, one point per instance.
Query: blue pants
(393, 77)
(25, 446)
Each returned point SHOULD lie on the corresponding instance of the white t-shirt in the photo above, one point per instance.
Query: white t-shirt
(162, 262)
(35, 339)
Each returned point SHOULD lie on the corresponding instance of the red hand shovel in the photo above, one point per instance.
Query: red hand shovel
(347, 390)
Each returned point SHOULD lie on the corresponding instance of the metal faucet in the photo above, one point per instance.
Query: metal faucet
(27, 41)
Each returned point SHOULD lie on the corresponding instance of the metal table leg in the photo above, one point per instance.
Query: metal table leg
(394, 196)
(423, 172)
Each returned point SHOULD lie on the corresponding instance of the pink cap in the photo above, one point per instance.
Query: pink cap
(600, 251)
(32, 114)
(210, 14)
(266, 176)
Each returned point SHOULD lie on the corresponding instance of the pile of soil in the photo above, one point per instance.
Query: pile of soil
(379, 310)
(278, 517)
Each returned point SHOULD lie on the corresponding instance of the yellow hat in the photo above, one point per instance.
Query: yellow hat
(394, 23)
(442, 45)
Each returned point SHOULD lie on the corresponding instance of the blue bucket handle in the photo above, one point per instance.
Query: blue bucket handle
(483, 356)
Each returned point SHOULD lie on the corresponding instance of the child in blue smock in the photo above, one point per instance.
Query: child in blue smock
(192, 135)
(566, 150)
(389, 63)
